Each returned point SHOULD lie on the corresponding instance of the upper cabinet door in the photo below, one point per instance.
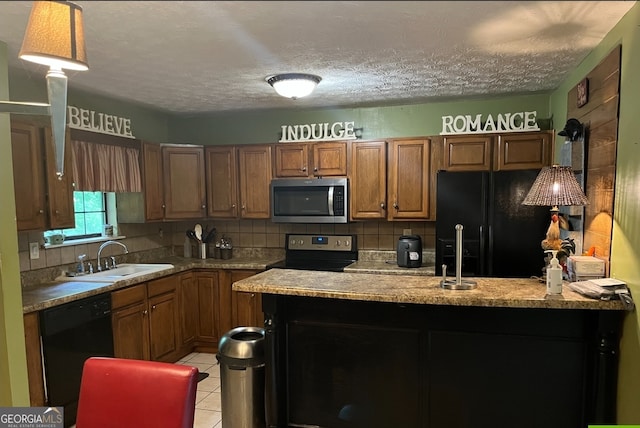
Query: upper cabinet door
(292, 160)
(184, 182)
(153, 181)
(60, 207)
(28, 176)
(530, 150)
(222, 182)
(409, 179)
(368, 180)
(330, 159)
(255, 179)
(467, 153)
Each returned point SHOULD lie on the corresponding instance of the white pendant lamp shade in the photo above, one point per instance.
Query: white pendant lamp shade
(294, 85)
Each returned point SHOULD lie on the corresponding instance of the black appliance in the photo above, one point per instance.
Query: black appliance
(319, 252)
(409, 251)
(71, 333)
(317, 200)
(501, 237)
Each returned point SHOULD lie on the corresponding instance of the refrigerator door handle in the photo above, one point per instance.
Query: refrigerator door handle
(490, 252)
(482, 253)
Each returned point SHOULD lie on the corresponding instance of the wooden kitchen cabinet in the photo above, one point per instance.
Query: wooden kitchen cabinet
(255, 173)
(146, 320)
(188, 310)
(468, 153)
(302, 160)
(368, 180)
(514, 151)
(184, 182)
(153, 181)
(173, 183)
(130, 322)
(409, 180)
(34, 359)
(530, 150)
(246, 308)
(42, 200)
(208, 318)
(222, 181)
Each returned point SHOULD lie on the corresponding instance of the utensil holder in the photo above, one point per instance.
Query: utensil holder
(226, 253)
(203, 251)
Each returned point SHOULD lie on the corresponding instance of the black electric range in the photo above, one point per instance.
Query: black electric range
(318, 252)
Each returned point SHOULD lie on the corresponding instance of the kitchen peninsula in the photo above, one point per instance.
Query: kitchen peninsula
(369, 350)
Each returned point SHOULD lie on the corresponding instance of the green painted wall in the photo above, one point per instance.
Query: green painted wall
(377, 122)
(14, 390)
(625, 251)
(146, 123)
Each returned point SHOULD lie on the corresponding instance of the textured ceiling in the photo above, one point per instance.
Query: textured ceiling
(195, 56)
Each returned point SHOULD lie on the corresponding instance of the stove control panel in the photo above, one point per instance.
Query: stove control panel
(320, 242)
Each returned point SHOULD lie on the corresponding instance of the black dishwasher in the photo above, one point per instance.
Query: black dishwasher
(71, 333)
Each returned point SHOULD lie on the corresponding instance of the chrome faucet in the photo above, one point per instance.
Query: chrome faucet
(106, 244)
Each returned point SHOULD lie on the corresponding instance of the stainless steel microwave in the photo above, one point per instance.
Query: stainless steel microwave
(319, 200)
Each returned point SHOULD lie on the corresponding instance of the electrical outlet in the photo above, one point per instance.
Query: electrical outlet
(406, 231)
(34, 250)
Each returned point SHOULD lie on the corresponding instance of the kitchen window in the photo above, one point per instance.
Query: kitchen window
(91, 214)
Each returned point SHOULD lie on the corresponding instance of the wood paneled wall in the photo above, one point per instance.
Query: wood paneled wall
(600, 119)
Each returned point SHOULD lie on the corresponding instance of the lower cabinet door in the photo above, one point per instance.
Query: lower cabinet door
(131, 332)
(163, 326)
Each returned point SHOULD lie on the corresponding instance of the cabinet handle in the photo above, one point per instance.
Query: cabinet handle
(304, 168)
(315, 169)
(163, 206)
(243, 207)
(382, 205)
(395, 205)
(145, 312)
(40, 211)
(153, 307)
(233, 206)
(57, 212)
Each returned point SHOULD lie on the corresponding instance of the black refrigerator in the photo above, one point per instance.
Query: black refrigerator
(501, 237)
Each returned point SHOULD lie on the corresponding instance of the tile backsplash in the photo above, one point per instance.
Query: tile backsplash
(152, 239)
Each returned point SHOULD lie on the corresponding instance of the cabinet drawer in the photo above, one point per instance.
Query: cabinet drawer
(128, 296)
(162, 285)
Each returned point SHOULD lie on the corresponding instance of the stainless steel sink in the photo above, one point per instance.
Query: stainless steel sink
(122, 272)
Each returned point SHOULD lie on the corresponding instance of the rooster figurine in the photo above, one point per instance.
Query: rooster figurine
(552, 240)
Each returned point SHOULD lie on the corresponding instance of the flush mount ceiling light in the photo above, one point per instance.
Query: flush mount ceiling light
(294, 85)
(54, 37)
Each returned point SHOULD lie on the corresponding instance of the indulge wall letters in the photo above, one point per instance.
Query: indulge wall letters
(90, 120)
(507, 122)
(318, 132)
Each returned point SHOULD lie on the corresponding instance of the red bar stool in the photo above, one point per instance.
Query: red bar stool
(125, 393)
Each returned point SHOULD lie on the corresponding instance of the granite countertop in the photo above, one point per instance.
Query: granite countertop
(60, 291)
(388, 268)
(426, 290)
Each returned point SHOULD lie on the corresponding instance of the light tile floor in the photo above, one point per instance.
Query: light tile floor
(208, 405)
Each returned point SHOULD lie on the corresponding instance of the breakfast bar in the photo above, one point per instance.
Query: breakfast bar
(354, 349)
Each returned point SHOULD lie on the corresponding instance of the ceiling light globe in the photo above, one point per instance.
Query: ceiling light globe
(294, 85)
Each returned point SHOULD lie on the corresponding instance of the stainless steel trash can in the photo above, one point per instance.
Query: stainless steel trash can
(241, 357)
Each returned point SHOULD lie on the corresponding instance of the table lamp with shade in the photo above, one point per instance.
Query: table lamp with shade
(555, 186)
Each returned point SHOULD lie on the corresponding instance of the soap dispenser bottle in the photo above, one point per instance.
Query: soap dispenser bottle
(554, 274)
